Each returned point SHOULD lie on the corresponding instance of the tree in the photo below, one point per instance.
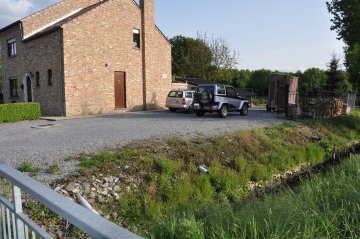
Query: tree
(190, 57)
(353, 63)
(333, 73)
(346, 23)
(259, 81)
(222, 57)
(346, 20)
(337, 80)
(312, 80)
(242, 79)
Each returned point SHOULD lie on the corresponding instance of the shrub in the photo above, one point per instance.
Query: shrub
(19, 111)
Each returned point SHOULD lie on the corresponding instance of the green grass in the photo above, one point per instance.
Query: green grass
(28, 168)
(168, 181)
(46, 218)
(101, 159)
(53, 169)
(328, 206)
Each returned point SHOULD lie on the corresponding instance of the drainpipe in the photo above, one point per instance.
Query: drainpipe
(62, 74)
(143, 55)
(143, 51)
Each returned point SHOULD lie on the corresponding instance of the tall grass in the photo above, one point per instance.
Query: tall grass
(326, 207)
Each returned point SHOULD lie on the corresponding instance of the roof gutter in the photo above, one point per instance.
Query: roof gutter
(10, 26)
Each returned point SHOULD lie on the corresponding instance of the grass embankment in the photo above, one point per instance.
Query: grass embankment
(162, 181)
(328, 206)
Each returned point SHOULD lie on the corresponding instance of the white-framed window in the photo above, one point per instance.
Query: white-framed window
(11, 43)
(136, 38)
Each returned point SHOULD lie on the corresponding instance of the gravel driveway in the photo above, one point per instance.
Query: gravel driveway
(21, 142)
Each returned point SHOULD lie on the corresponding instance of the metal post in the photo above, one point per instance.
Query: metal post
(18, 209)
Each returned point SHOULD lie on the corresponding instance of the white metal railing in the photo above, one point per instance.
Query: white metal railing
(15, 224)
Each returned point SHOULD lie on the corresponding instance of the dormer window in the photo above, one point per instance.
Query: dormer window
(11, 47)
(136, 38)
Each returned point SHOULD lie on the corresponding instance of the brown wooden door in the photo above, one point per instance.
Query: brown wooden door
(120, 96)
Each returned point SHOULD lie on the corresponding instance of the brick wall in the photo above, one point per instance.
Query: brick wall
(38, 55)
(101, 42)
(84, 59)
(157, 59)
(158, 70)
(53, 13)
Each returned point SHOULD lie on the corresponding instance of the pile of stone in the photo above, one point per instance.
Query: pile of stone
(100, 189)
(322, 108)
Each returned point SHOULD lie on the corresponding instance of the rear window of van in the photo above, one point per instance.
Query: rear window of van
(175, 94)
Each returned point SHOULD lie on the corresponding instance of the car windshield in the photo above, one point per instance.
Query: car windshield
(204, 88)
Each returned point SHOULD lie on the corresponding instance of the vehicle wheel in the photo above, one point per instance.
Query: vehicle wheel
(172, 109)
(244, 110)
(268, 108)
(200, 113)
(223, 112)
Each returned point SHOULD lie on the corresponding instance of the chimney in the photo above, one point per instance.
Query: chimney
(147, 8)
(147, 28)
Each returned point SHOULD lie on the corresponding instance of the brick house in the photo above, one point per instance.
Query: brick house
(81, 57)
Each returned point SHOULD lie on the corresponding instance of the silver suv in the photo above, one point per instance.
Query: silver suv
(179, 100)
(218, 98)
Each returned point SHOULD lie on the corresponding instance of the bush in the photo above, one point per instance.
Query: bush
(19, 111)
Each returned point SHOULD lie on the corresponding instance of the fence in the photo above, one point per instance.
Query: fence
(14, 224)
(350, 101)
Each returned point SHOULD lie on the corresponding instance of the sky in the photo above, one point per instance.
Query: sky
(284, 35)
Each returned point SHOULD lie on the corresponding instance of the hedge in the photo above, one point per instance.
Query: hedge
(19, 111)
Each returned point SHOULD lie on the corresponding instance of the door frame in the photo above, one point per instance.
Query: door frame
(26, 96)
(125, 103)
